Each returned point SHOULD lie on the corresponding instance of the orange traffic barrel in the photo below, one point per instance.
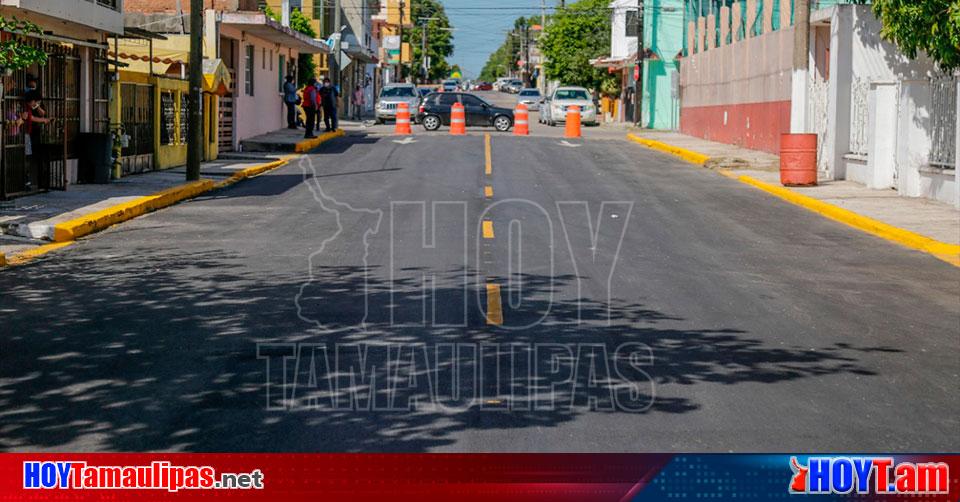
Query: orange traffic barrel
(521, 120)
(403, 119)
(798, 160)
(458, 120)
(573, 122)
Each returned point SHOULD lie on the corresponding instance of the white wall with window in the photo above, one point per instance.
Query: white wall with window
(892, 120)
(258, 105)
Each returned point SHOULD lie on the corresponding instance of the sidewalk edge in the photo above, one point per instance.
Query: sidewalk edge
(949, 253)
(309, 144)
(687, 155)
(99, 220)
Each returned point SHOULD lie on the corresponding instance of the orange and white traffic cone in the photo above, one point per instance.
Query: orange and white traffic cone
(458, 120)
(573, 122)
(521, 121)
(403, 120)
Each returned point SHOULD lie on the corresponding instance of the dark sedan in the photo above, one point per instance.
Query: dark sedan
(435, 111)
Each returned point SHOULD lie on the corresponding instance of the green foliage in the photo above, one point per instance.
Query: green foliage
(573, 37)
(439, 38)
(610, 85)
(306, 65)
(931, 26)
(16, 54)
(505, 58)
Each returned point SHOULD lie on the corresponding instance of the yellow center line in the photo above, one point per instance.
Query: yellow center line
(486, 152)
(488, 192)
(487, 229)
(494, 308)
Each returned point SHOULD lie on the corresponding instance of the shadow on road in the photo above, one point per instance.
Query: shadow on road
(160, 353)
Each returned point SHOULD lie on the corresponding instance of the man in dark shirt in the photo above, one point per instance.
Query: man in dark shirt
(328, 99)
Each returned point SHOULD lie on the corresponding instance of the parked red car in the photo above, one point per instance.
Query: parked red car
(484, 86)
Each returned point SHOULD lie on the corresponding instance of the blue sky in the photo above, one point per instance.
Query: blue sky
(481, 27)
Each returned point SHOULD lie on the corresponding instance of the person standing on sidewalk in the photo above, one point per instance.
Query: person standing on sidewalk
(328, 99)
(357, 100)
(291, 100)
(310, 102)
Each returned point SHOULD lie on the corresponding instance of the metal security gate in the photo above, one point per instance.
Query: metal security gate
(943, 122)
(59, 86)
(225, 126)
(136, 111)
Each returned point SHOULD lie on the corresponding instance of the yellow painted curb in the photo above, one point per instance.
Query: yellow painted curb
(255, 171)
(687, 155)
(97, 221)
(309, 144)
(30, 254)
(949, 253)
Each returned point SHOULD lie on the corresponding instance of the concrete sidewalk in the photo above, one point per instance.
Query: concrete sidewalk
(931, 219)
(721, 155)
(29, 221)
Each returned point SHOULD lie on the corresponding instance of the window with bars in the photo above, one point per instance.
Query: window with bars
(248, 69)
(943, 122)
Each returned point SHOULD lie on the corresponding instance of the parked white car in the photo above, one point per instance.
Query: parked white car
(530, 97)
(554, 110)
(392, 95)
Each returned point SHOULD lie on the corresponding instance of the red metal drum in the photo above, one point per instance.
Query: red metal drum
(798, 160)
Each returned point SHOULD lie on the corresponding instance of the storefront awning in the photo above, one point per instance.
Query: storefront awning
(216, 77)
(261, 26)
(612, 63)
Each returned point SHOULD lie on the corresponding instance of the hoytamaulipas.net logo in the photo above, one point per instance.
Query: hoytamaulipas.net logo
(868, 475)
(160, 475)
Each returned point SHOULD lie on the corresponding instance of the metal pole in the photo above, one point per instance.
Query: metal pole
(638, 99)
(542, 81)
(195, 124)
(423, 53)
(335, 60)
(403, 5)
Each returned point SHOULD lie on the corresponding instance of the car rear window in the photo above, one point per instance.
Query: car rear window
(570, 94)
(446, 99)
(398, 92)
(530, 93)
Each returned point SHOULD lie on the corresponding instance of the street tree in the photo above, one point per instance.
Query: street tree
(430, 15)
(931, 26)
(306, 66)
(505, 58)
(575, 35)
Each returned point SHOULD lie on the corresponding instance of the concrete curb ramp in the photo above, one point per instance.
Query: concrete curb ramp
(949, 253)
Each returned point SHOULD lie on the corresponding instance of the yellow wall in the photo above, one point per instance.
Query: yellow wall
(173, 155)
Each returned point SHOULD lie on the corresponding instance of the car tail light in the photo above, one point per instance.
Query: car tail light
(421, 108)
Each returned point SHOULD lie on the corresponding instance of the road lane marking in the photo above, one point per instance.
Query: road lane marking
(494, 308)
(488, 192)
(31, 254)
(487, 229)
(488, 166)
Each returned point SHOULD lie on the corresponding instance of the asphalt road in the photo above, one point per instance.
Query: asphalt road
(644, 305)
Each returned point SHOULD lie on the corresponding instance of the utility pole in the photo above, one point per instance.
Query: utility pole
(641, 57)
(423, 53)
(403, 6)
(335, 61)
(801, 50)
(542, 81)
(195, 117)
